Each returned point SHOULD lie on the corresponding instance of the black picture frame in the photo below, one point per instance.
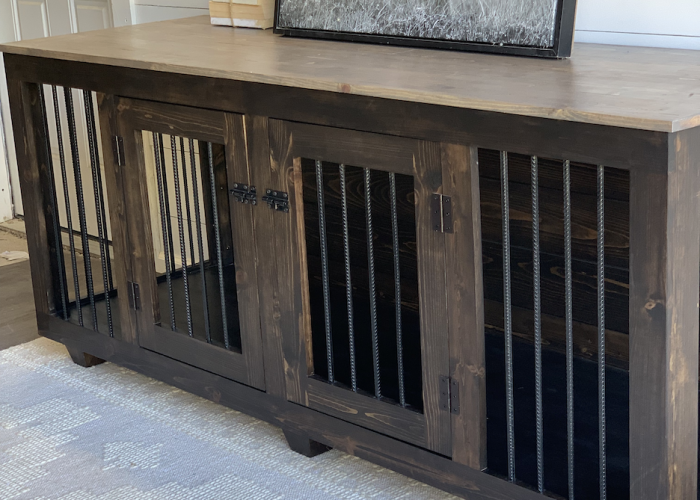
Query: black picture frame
(561, 49)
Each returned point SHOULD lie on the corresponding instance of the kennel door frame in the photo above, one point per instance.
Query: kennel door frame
(134, 116)
(289, 142)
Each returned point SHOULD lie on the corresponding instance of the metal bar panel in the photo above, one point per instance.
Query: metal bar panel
(372, 284)
(200, 245)
(348, 279)
(537, 311)
(157, 142)
(568, 292)
(324, 269)
(601, 331)
(66, 197)
(166, 196)
(70, 113)
(397, 286)
(93, 125)
(187, 200)
(507, 315)
(181, 231)
(99, 207)
(217, 236)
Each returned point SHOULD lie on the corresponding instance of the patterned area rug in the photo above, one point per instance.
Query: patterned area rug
(108, 433)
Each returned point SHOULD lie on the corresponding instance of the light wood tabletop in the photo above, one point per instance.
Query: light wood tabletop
(633, 87)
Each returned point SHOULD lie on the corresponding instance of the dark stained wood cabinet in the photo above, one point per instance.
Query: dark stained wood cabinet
(457, 266)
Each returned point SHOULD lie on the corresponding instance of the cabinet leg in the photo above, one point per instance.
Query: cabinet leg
(82, 358)
(302, 444)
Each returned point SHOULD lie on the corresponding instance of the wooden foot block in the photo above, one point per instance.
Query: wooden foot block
(303, 445)
(82, 358)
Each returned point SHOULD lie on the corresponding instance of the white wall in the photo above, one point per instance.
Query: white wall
(146, 11)
(8, 164)
(6, 155)
(26, 19)
(653, 23)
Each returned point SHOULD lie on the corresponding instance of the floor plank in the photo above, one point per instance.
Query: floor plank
(17, 316)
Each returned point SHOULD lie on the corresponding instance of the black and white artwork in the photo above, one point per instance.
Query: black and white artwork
(499, 23)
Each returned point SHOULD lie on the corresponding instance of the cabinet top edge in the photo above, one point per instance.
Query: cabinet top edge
(631, 87)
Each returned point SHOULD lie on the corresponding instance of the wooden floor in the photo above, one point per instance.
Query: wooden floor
(17, 316)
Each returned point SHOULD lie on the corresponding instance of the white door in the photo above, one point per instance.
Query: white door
(26, 19)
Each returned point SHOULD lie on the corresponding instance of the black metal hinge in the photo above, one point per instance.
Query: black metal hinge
(449, 395)
(277, 200)
(245, 194)
(134, 293)
(118, 150)
(441, 213)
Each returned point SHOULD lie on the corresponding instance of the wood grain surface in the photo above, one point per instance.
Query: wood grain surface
(631, 87)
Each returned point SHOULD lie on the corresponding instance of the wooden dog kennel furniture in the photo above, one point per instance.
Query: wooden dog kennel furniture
(479, 271)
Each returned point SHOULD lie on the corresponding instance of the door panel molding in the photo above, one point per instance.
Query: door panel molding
(93, 14)
(28, 13)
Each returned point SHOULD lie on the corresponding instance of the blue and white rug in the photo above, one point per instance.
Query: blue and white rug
(108, 433)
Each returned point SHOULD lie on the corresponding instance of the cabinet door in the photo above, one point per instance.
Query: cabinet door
(360, 276)
(194, 288)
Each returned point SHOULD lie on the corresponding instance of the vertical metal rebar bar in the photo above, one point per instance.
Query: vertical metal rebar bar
(217, 237)
(187, 200)
(200, 245)
(164, 227)
(93, 125)
(348, 280)
(537, 311)
(166, 196)
(66, 197)
(324, 270)
(507, 315)
(70, 114)
(54, 208)
(397, 286)
(568, 292)
(99, 207)
(181, 232)
(372, 284)
(601, 332)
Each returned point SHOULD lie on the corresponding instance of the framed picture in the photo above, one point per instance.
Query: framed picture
(543, 28)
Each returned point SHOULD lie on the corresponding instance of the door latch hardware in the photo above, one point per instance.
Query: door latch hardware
(277, 200)
(449, 395)
(134, 293)
(441, 213)
(118, 150)
(244, 194)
